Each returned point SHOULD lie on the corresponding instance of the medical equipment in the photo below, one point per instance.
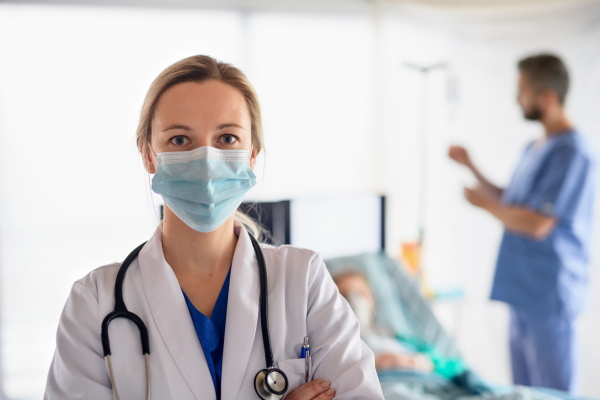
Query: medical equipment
(270, 383)
(204, 186)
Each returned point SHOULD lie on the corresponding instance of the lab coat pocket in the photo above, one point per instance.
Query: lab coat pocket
(295, 372)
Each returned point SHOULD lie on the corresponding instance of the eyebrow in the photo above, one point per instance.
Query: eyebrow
(223, 126)
(182, 127)
(187, 128)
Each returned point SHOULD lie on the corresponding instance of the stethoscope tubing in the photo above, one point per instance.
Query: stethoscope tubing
(263, 299)
(112, 377)
(121, 311)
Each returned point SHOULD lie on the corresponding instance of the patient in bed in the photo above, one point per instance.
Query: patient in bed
(411, 369)
(390, 351)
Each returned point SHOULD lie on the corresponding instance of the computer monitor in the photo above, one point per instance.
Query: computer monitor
(333, 226)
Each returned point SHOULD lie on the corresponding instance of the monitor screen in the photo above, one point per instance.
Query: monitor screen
(338, 226)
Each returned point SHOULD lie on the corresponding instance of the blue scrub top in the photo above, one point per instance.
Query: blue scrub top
(554, 178)
(211, 333)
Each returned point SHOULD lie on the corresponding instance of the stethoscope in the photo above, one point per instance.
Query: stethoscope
(270, 383)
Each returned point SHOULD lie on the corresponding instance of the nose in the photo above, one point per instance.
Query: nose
(203, 140)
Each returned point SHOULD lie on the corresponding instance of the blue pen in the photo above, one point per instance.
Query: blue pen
(306, 356)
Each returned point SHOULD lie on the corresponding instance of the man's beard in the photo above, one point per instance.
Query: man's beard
(533, 115)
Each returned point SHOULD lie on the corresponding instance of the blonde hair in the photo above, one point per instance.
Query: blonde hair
(202, 68)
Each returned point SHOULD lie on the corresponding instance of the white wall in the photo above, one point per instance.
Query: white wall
(340, 116)
(313, 74)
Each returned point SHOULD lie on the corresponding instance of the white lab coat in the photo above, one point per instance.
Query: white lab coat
(303, 301)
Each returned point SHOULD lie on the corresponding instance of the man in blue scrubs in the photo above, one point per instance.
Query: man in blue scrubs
(542, 267)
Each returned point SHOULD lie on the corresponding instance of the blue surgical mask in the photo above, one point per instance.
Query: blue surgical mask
(205, 186)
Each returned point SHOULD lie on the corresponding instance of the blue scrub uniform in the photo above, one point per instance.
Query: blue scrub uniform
(545, 281)
(211, 332)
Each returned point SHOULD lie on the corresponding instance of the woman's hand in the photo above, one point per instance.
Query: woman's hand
(314, 390)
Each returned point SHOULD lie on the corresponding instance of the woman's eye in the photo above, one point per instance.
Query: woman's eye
(228, 139)
(180, 140)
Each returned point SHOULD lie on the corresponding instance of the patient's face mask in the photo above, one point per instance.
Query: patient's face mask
(204, 186)
(363, 310)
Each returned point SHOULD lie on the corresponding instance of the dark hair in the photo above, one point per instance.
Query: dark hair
(546, 72)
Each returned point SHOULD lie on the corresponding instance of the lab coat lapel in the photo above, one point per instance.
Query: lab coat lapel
(173, 319)
(242, 315)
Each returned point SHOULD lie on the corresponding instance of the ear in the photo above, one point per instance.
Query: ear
(549, 98)
(253, 158)
(149, 159)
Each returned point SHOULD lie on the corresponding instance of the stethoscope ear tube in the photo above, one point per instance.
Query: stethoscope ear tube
(133, 318)
(112, 377)
(121, 311)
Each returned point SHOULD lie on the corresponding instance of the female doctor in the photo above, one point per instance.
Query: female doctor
(197, 285)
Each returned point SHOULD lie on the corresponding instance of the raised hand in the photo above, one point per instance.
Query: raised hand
(460, 155)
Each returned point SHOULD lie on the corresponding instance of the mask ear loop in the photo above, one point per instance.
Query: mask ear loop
(150, 186)
(152, 150)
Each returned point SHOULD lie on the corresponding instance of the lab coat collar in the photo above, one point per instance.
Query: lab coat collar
(172, 317)
(173, 320)
(242, 314)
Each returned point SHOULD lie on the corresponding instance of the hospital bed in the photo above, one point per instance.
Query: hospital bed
(407, 313)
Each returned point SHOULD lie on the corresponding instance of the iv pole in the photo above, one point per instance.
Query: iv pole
(424, 71)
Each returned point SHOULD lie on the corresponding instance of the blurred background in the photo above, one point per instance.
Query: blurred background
(360, 99)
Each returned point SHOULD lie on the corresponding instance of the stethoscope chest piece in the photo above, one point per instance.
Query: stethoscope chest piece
(270, 384)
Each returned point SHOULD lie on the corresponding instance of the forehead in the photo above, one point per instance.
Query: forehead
(208, 101)
(524, 80)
